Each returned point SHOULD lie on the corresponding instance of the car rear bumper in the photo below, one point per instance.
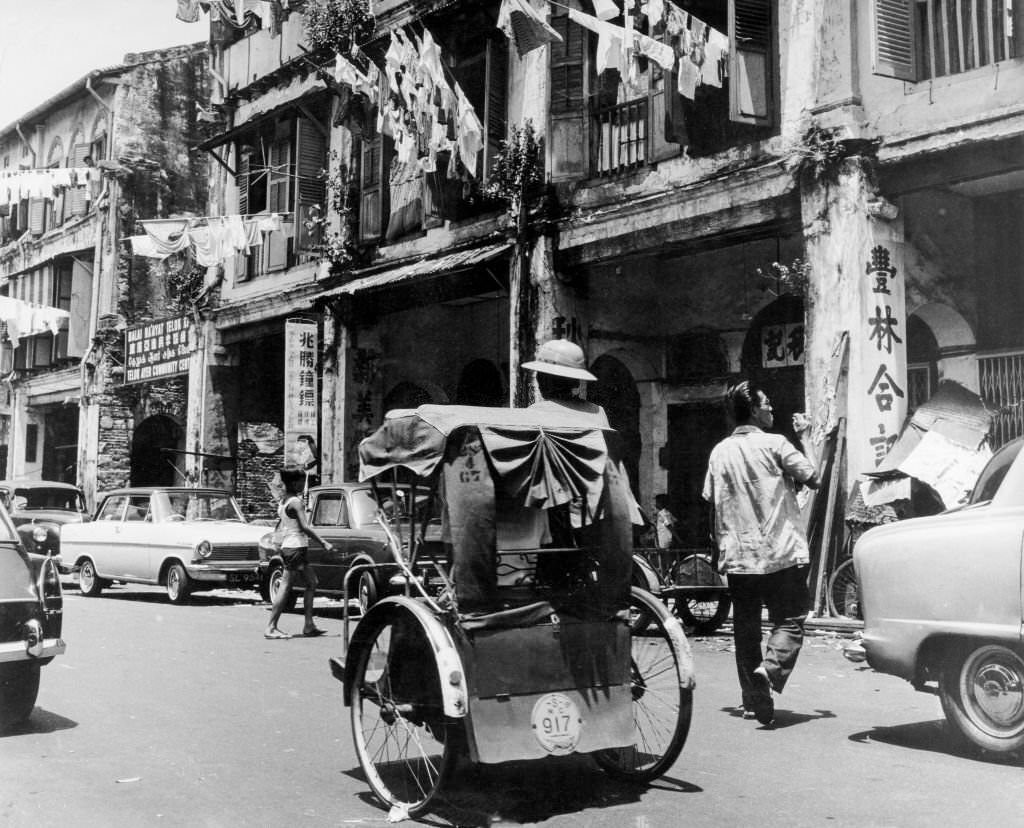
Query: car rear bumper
(18, 650)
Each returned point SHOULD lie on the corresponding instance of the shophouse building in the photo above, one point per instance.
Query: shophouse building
(822, 196)
(75, 172)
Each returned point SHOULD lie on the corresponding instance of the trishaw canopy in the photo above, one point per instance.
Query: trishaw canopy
(497, 466)
(549, 457)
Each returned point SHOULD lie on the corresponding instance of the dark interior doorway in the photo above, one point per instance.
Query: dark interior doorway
(60, 444)
(151, 465)
(693, 430)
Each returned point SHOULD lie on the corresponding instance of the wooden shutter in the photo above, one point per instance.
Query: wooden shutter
(78, 197)
(279, 176)
(568, 143)
(371, 189)
(496, 102)
(310, 188)
(79, 306)
(242, 182)
(750, 61)
(36, 216)
(894, 39)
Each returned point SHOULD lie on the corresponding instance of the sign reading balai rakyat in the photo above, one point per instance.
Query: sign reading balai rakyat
(157, 350)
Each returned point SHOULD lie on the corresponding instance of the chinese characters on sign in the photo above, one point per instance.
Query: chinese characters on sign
(782, 345)
(157, 350)
(301, 401)
(885, 365)
(364, 415)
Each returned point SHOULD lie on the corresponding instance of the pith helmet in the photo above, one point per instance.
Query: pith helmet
(561, 358)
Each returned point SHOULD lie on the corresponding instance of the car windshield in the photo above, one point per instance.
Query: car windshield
(62, 500)
(992, 475)
(178, 506)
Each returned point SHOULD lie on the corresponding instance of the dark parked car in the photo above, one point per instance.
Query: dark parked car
(31, 612)
(345, 515)
(38, 509)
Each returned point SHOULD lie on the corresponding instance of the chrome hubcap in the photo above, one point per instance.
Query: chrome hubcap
(995, 690)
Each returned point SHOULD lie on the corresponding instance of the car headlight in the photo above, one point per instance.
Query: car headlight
(39, 534)
(203, 549)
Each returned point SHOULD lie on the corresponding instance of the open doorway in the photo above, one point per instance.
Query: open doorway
(693, 430)
(150, 464)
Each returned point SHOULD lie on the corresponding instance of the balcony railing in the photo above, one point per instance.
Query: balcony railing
(958, 35)
(620, 137)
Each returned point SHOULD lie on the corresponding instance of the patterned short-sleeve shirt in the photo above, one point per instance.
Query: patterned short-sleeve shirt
(751, 481)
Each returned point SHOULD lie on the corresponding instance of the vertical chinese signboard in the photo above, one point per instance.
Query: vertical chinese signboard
(883, 403)
(301, 402)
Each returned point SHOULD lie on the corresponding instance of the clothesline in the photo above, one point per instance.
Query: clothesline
(243, 216)
(23, 318)
(222, 238)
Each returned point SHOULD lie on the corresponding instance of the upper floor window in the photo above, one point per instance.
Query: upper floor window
(281, 165)
(919, 39)
(434, 150)
(714, 86)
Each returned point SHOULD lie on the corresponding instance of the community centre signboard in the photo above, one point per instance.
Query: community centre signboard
(157, 350)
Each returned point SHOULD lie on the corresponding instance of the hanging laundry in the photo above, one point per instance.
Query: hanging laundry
(606, 9)
(655, 11)
(675, 19)
(346, 72)
(715, 55)
(609, 40)
(660, 53)
(169, 236)
(188, 11)
(523, 25)
(430, 55)
(470, 132)
(146, 245)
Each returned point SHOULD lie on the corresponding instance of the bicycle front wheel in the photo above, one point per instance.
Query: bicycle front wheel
(843, 592)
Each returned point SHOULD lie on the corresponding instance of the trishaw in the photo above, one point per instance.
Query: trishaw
(525, 652)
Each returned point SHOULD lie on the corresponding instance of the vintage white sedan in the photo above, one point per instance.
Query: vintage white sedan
(942, 603)
(181, 538)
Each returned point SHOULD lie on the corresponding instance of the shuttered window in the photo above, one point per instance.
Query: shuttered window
(750, 62)
(36, 216)
(568, 95)
(894, 47)
(280, 176)
(310, 186)
(371, 190)
(78, 197)
(496, 103)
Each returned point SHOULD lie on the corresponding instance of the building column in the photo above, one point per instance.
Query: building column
(334, 424)
(854, 247)
(202, 336)
(542, 306)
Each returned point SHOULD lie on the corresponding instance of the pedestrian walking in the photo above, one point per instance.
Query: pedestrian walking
(665, 524)
(751, 484)
(295, 529)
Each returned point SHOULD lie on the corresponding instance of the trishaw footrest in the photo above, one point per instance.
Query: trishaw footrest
(337, 668)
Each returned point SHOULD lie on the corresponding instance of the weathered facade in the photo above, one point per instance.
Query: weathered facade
(127, 131)
(824, 182)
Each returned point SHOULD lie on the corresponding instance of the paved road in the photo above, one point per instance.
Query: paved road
(185, 716)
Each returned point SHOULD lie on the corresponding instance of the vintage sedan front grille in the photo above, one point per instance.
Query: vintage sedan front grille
(234, 552)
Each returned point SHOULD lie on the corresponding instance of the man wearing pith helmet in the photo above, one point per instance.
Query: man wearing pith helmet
(560, 369)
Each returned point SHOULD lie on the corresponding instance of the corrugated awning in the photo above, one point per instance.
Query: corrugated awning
(450, 263)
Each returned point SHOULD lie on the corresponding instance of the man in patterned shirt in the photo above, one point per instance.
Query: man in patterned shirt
(751, 483)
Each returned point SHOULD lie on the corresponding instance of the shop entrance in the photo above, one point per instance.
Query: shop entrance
(60, 444)
(693, 430)
(151, 465)
(615, 391)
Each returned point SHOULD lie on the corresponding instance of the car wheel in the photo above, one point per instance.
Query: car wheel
(177, 584)
(89, 584)
(274, 582)
(983, 698)
(367, 593)
(19, 686)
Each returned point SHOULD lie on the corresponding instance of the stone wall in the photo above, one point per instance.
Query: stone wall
(253, 472)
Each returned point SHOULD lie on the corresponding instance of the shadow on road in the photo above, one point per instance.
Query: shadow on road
(931, 736)
(41, 721)
(200, 599)
(786, 718)
(528, 792)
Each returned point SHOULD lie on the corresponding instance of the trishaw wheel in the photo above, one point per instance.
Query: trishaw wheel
(662, 697)
(705, 609)
(405, 744)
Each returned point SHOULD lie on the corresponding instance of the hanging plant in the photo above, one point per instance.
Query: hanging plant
(336, 246)
(783, 279)
(518, 167)
(338, 25)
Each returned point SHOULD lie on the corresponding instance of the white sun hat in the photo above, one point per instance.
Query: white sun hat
(561, 358)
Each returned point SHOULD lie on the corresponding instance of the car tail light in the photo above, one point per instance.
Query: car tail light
(50, 587)
(203, 549)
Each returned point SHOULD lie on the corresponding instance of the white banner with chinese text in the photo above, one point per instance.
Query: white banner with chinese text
(301, 401)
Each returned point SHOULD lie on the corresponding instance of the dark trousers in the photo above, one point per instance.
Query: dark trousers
(784, 593)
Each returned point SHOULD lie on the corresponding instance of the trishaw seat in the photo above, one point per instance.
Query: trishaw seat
(525, 616)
